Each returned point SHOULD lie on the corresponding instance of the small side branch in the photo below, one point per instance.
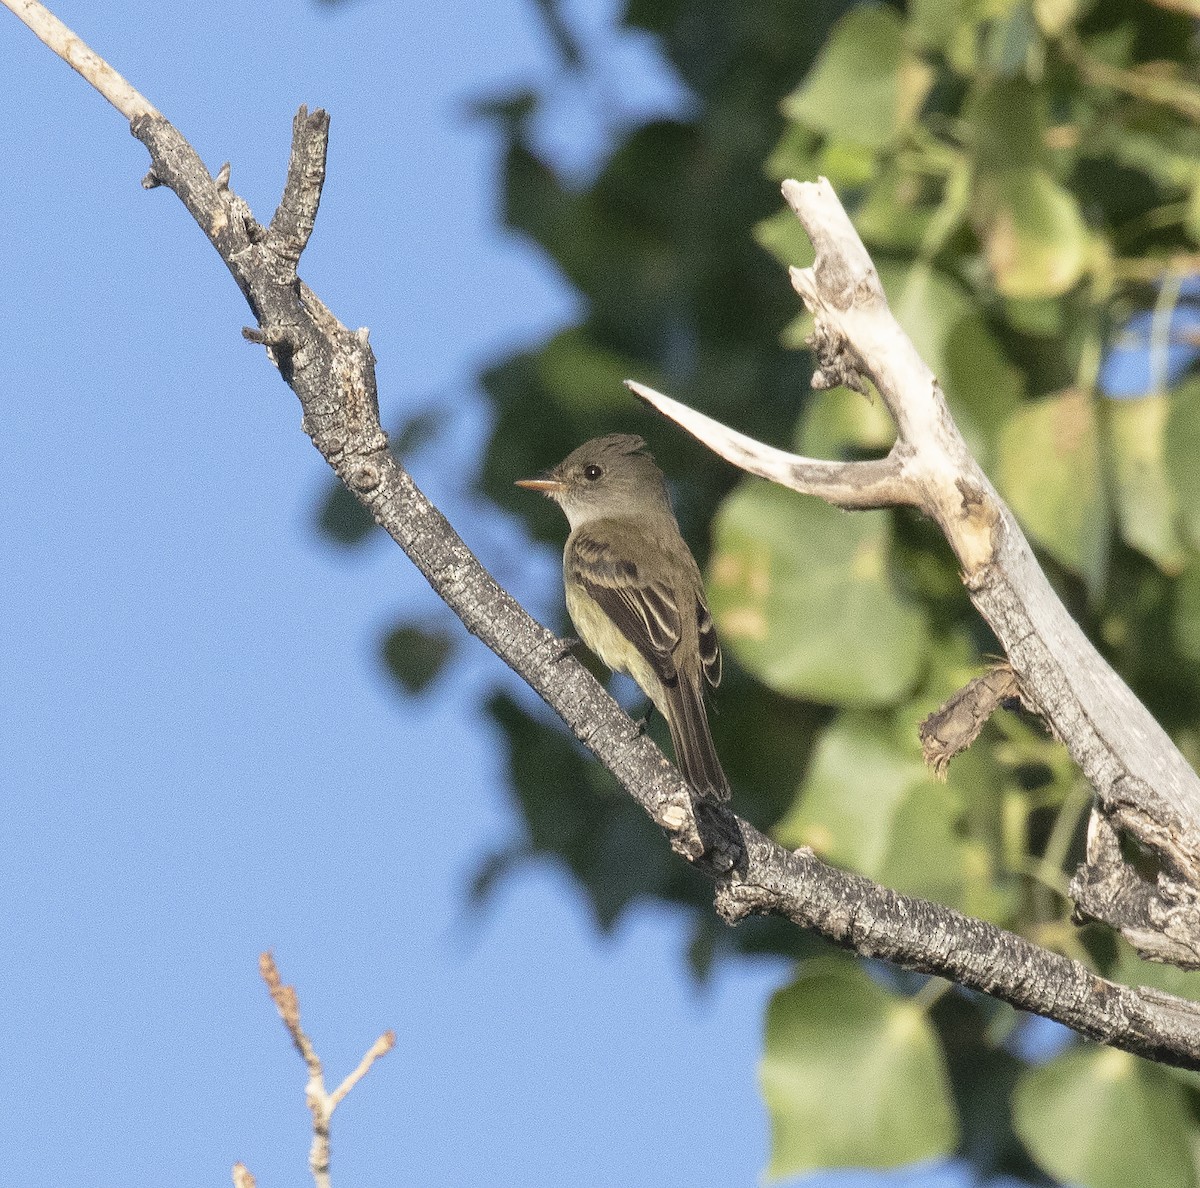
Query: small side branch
(850, 485)
(296, 214)
(321, 1104)
(948, 731)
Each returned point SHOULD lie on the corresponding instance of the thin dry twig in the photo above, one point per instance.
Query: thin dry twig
(321, 1103)
(381, 1047)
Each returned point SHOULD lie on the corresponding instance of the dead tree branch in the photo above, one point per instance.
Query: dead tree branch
(1144, 787)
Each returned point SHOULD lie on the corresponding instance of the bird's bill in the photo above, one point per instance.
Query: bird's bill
(551, 487)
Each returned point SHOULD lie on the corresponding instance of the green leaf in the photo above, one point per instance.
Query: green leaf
(1053, 16)
(1103, 1119)
(841, 422)
(585, 379)
(866, 106)
(869, 803)
(852, 1077)
(1034, 236)
(857, 781)
(415, 655)
(803, 596)
(1050, 474)
(948, 330)
(1185, 615)
(897, 211)
(1008, 122)
(1191, 220)
(794, 156)
(1132, 970)
(1182, 448)
(1147, 513)
(782, 235)
(342, 518)
(1012, 46)
(1040, 317)
(945, 25)
(925, 852)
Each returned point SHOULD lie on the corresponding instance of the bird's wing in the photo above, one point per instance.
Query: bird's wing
(710, 650)
(643, 610)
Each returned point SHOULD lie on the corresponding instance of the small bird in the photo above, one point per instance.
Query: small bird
(634, 591)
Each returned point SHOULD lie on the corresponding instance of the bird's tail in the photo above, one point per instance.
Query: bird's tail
(690, 736)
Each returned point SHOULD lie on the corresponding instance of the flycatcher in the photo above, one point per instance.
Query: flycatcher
(634, 591)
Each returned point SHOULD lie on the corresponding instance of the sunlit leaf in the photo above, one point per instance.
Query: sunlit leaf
(784, 237)
(1053, 16)
(795, 155)
(869, 803)
(1182, 449)
(1186, 614)
(857, 781)
(897, 211)
(1101, 1119)
(944, 25)
(1147, 513)
(839, 423)
(1050, 474)
(1012, 46)
(846, 102)
(803, 596)
(948, 330)
(1035, 238)
(852, 1076)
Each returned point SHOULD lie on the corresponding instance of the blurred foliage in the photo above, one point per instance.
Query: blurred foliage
(415, 654)
(852, 1074)
(1026, 174)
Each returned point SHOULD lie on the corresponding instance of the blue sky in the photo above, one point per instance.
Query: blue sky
(202, 757)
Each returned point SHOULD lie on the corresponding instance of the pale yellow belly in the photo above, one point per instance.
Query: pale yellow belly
(601, 635)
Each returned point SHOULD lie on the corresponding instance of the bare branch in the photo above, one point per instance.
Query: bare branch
(948, 731)
(381, 1047)
(49, 29)
(320, 1103)
(296, 214)
(331, 369)
(852, 485)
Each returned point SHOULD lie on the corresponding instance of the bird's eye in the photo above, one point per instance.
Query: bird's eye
(592, 473)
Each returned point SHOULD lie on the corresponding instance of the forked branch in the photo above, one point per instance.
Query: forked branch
(1144, 787)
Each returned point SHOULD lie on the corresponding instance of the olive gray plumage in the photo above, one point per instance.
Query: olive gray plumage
(634, 591)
